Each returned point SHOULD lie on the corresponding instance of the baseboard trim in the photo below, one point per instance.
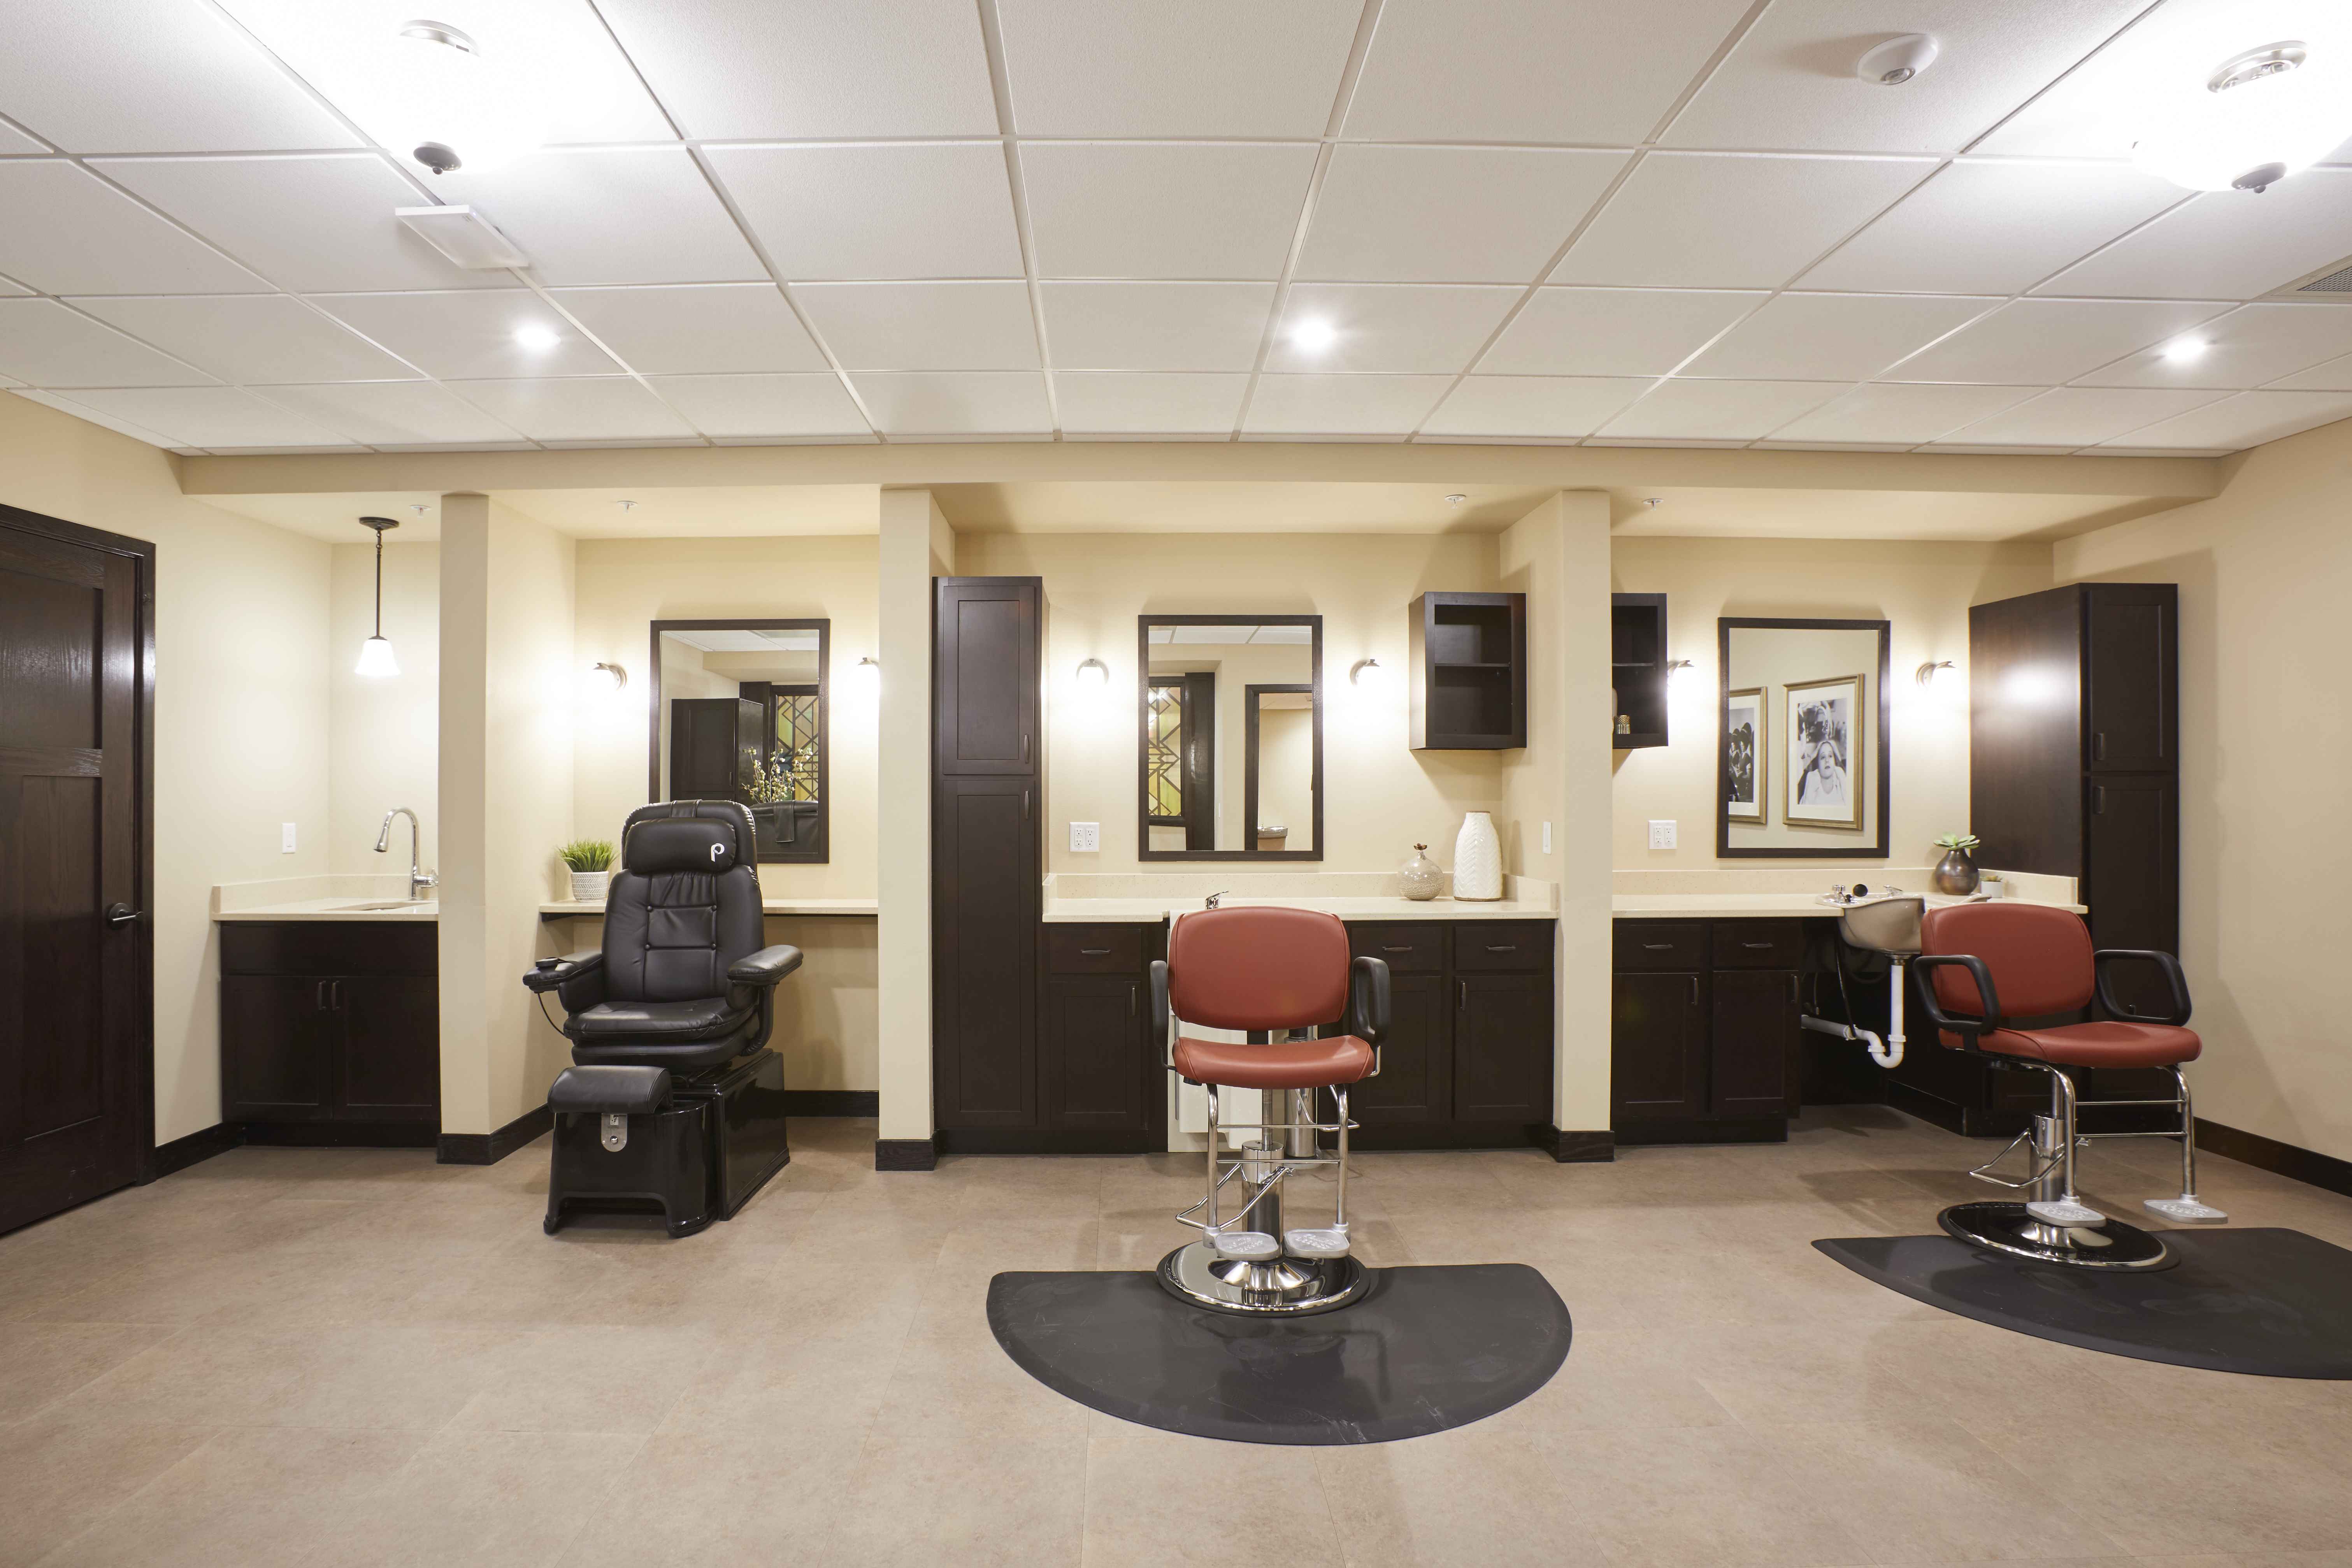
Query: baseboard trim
(194, 1149)
(833, 1103)
(1578, 1148)
(2308, 1165)
(906, 1154)
(340, 1134)
(1727, 1129)
(489, 1148)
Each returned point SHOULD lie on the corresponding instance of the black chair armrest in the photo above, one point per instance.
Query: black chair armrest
(2169, 965)
(552, 972)
(1160, 1007)
(1368, 1010)
(1969, 1029)
(765, 967)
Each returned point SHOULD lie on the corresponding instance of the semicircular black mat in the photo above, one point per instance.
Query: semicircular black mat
(1425, 1350)
(2276, 1303)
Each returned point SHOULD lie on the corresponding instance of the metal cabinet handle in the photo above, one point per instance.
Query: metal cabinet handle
(1694, 980)
(1464, 987)
(1759, 946)
(1392, 947)
(2098, 800)
(1503, 947)
(2099, 746)
(1024, 747)
(1025, 806)
(320, 995)
(1131, 1000)
(1793, 991)
(1094, 952)
(1658, 947)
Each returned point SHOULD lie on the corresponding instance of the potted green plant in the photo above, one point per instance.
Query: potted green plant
(1954, 874)
(590, 861)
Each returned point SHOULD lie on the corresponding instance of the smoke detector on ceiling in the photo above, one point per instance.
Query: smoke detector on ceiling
(1897, 60)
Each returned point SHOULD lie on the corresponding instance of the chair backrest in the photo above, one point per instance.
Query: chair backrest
(2040, 956)
(1268, 968)
(685, 904)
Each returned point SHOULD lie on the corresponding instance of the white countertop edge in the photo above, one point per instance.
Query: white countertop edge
(1151, 912)
(1734, 906)
(852, 907)
(327, 910)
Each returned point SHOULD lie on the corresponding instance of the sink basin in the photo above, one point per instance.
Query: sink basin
(395, 904)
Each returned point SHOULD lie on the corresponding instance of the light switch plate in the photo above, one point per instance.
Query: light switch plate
(1546, 838)
(286, 838)
(1086, 837)
(1662, 834)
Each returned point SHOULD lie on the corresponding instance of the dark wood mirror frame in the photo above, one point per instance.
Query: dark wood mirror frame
(824, 629)
(1885, 785)
(1143, 625)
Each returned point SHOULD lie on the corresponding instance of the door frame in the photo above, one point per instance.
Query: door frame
(142, 555)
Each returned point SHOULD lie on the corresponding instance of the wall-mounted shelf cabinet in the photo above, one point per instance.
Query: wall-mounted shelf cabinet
(1637, 667)
(1469, 672)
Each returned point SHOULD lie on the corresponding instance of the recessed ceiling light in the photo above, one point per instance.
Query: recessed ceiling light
(2255, 119)
(535, 336)
(1314, 334)
(2182, 351)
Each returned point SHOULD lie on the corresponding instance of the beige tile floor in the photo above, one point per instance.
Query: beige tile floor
(359, 1357)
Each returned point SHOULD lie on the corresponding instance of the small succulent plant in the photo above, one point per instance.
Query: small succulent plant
(1963, 842)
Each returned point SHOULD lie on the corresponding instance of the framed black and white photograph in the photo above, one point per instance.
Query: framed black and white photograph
(1822, 721)
(1745, 753)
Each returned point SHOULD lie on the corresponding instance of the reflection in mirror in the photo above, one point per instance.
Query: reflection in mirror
(1804, 768)
(1232, 737)
(739, 713)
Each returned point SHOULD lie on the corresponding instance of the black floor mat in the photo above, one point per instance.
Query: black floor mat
(1425, 1350)
(2277, 1303)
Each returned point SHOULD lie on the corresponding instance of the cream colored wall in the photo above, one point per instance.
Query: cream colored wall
(625, 584)
(384, 736)
(2265, 574)
(1923, 590)
(1285, 772)
(241, 659)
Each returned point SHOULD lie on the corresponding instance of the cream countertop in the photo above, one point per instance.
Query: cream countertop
(1148, 898)
(1151, 912)
(852, 907)
(1731, 906)
(342, 897)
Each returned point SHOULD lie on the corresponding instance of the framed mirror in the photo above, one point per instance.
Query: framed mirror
(1232, 724)
(1805, 766)
(738, 712)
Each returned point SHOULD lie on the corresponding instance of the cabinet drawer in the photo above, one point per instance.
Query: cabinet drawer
(1758, 945)
(1405, 949)
(329, 947)
(1661, 944)
(1094, 950)
(1502, 945)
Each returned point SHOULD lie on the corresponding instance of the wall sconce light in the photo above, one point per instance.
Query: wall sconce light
(867, 673)
(605, 680)
(1366, 672)
(1681, 675)
(1938, 673)
(1093, 672)
(375, 654)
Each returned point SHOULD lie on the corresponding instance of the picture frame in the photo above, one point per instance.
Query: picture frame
(1747, 755)
(1823, 734)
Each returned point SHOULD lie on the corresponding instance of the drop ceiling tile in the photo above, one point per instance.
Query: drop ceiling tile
(1532, 406)
(12, 141)
(44, 343)
(249, 337)
(1701, 221)
(1613, 331)
(1343, 405)
(2229, 245)
(923, 326)
(1155, 326)
(470, 336)
(2252, 346)
(707, 328)
(907, 210)
(956, 402)
(2336, 375)
(1532, 70)
(1719, 410)
(211, 417)
(7, 288)
(1900, 414)
(575, 408)
(746, 70)
(2080, 416)
(1994, 228)
(1833, 337)
(84, 411)
(69, 233)
(744, 406)
(1214, 68)
(1099, 209)
(2246, 420)
(1106, 403)
(152, 76)
(1790, 83)
(313, 225)
(622, 215)
(1389, 326)
(393, 413)
(2038, 341)
(1450, 215)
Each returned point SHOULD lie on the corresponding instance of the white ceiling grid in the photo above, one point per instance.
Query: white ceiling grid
(1682, 223)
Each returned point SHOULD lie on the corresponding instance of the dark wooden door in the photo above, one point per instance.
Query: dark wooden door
(387, 1048)
(1752, 1069)
(1416, 1059)
(984, 678)
(714, 747)
(76, 1111)
(1502, 1047)
(2131, 716)
(1657, 1047)
(2133, 835)
(984, 896)
(283, 1034)
(1093, 1053)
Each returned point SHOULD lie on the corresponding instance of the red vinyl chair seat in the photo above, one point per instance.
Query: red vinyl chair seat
(1285, 1064)
(2106, 1044)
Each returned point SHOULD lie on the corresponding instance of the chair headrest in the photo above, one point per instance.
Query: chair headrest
(709, 836)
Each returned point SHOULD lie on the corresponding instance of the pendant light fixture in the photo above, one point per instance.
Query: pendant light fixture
(375, 654)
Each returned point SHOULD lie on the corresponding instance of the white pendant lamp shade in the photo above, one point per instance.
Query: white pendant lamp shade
(2259, 117)
(376, 661)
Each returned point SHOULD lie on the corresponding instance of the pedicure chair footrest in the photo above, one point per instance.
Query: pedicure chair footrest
(695, 1145)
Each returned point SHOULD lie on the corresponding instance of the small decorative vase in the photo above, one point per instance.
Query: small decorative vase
(588, 887)
(1478, 859)
(1955, 875)
(1422, 877)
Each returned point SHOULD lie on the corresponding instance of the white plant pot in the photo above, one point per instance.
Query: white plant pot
(1478, 859)
(588, 887)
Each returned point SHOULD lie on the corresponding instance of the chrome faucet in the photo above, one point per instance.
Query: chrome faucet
(419, 881)
(1213, 898)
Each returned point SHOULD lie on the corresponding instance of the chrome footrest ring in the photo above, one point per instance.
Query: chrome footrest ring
(2008, 1228)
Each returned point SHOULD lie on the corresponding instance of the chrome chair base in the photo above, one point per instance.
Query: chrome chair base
(2007, 1228)
(1277, 1288)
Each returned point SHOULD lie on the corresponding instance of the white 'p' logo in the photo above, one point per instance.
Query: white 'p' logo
(717, 850)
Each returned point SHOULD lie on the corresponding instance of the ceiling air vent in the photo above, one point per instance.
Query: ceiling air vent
(2332, 284)
(2336, 282)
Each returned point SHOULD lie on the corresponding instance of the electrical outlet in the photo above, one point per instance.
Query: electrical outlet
(1086, 837)
(1546, 838)
(1662, 834)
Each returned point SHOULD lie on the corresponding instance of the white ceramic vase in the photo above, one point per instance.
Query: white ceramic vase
(1478, 859)
(588, 887)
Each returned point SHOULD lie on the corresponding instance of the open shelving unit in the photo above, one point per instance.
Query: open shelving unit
(1469, 671)
(1638, 668)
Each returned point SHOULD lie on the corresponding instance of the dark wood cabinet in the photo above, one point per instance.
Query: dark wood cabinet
(1415, 1060)
(1704, 1038)
(1638, 668)
(1468, 1061)
(1502, 1047)
(1469, 675)
(330, 1032)
(1103, 1081)
(984, 684)
(1657, 1048)
(985, 908)
(2131, 720)
(1752, 1043)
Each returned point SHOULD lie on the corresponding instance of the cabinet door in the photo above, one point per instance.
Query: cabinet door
(2134, 881)
(984, 678)
(1414, 1059)
(1502, 1047)
(278, 1035)
(388, 1048)
(1093, 1053)
(984, 952)
(2130, 712)
(1657, 1048)
(1752, 1069)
